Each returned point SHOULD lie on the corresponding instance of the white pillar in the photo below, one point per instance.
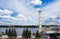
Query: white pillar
(40, 26)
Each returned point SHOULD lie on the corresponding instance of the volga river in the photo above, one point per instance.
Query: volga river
(19, 30)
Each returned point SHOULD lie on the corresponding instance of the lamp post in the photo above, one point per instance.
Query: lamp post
(40, 26)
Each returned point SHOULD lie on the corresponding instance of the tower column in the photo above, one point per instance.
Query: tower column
(40, 26)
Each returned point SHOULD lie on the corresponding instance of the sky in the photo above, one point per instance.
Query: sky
(24, 12)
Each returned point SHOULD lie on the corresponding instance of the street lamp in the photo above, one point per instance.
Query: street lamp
(40, 26)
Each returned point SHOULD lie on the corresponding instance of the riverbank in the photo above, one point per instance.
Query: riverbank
(18, 37)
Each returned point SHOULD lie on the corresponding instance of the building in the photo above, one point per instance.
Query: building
(53, 31)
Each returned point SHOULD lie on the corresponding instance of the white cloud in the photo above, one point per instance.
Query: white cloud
(5, 12)
(28, 15)
(21, 17)
(27, 11)
(36, 2)
(51, 11)
(30, 18)
(7, 19)
(24, 14)
(5, 16)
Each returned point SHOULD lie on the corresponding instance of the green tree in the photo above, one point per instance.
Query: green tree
(10, 33)
(26, 33)
(23, 33)
(14, 33)
(29, 32)
(0, 35)
(6, 32)
(38, 35)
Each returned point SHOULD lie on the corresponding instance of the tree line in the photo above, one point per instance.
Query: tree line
(11, 32)
(19, 26)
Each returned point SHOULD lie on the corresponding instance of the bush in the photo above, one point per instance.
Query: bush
(26, 33)
(33, 33)
(2, 33)
(38, 35)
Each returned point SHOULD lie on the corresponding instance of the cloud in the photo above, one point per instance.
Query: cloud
(5, 15)
(25, 12)
(50, 13)
(36, 2)
(7, 19)
(5, 12)
(28, 15)
(21, 17)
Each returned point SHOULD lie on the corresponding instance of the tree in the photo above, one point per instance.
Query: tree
(29, 33)
(38, 35)
(6, 32)
(10, 33)
(14, 33)
(23, 34)
(26, 33)
(0, 35)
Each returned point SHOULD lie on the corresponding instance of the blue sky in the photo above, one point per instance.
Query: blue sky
(24, 12)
